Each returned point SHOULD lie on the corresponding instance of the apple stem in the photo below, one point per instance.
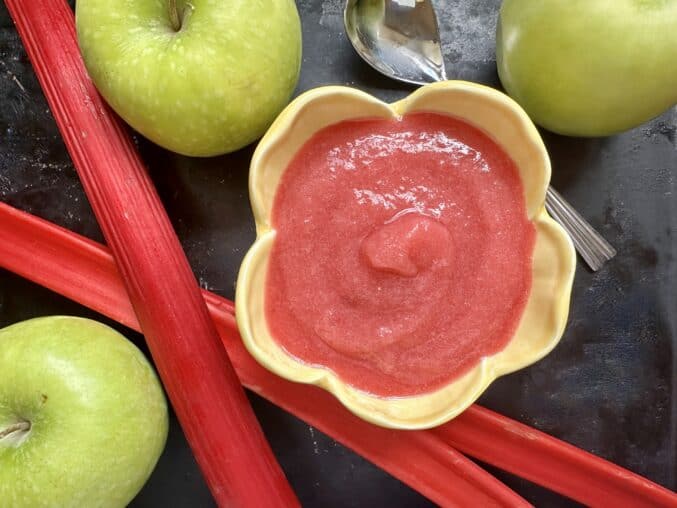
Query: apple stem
(174, 17)
(22, 426)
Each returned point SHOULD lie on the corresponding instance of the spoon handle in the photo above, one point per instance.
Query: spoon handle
(592, 247)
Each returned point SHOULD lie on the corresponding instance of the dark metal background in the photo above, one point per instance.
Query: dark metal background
(609, 387)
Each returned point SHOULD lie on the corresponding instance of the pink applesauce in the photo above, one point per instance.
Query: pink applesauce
(402, 255)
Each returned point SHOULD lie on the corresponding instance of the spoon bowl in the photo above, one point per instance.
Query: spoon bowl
(398, 38)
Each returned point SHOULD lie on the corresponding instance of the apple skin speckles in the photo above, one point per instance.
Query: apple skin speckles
(589, 68)
(97, 414)
(232, 66)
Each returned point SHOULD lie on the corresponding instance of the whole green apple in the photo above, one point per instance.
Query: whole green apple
(83, 419)
(589, 67)
(198, 77)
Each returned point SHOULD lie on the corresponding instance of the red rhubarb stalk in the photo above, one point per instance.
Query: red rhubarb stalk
(220, 426)
(85, 272)
(559, 466)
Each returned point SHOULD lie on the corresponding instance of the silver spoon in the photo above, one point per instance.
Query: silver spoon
(401, 39)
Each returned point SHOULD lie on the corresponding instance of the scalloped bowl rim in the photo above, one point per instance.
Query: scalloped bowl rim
(553, 247)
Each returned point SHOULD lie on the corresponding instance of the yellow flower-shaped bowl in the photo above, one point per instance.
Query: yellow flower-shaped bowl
(545, 314)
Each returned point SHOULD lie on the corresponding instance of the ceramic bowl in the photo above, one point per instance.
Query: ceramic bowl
(545, 314)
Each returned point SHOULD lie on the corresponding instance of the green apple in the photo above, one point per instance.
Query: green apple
(198, 77)
(83, 418)
(589, 67)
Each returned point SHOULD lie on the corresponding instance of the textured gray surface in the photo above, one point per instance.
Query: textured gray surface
(609, 387)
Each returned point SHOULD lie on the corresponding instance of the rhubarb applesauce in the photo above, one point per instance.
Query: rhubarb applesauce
(402, 253)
